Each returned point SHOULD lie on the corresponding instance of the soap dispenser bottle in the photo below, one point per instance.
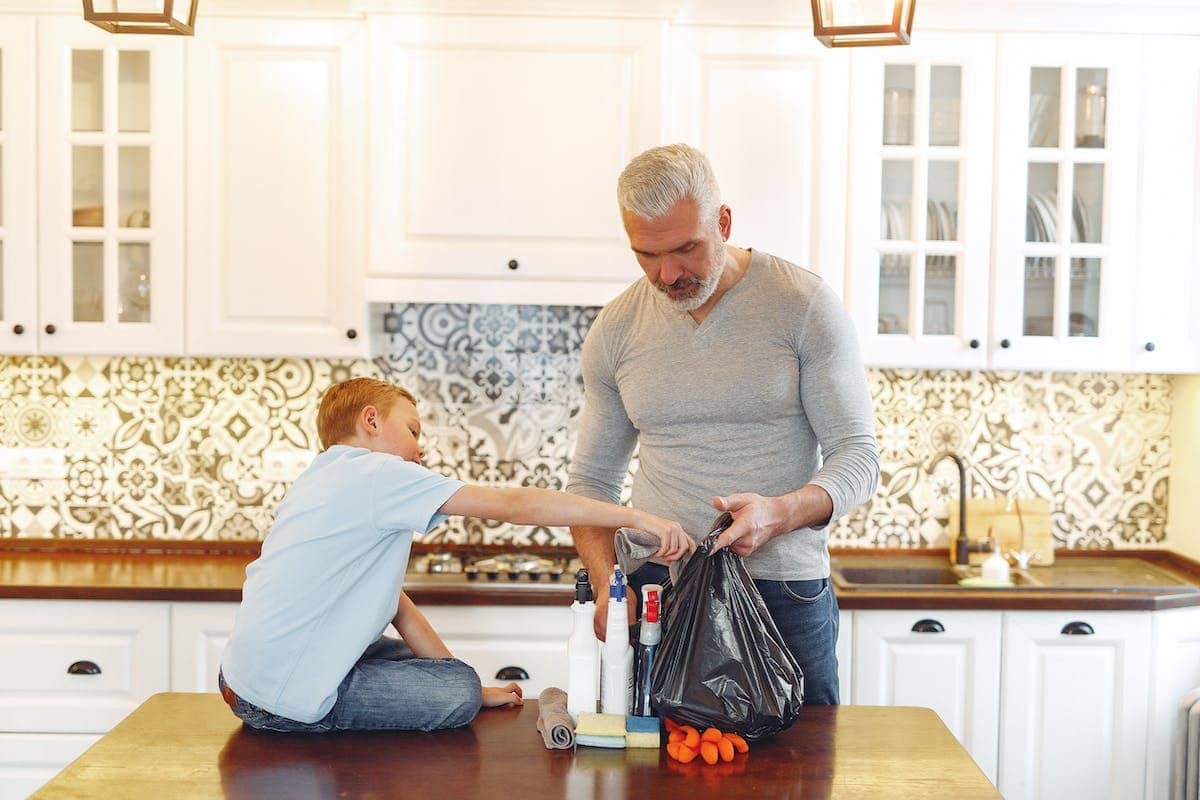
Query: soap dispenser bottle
(995, 566)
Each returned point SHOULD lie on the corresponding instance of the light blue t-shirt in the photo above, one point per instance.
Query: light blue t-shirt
(328, 580)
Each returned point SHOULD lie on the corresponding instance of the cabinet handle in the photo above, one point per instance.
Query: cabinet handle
(1005, 343)
(513, 263)
(351, 334)
(1077, 629)
(928, 626)
(84, 668)
(974, 344)
(512, 674)
(18, 329)
(50, 329)
(1149, 347)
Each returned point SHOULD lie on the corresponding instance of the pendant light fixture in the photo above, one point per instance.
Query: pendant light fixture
(862, 23)
(171, 17)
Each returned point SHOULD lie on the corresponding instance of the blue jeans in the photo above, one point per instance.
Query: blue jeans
(388, 689)
(806, 613)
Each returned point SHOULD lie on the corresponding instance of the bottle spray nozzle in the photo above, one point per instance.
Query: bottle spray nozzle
(616, 585)
(583, 587)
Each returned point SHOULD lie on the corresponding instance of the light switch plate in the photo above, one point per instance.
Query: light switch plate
(33, 463)
(285, 465)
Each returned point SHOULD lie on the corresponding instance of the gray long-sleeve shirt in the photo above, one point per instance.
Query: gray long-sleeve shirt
(767, 395)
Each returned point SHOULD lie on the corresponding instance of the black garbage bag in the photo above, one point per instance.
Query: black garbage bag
(722, 662)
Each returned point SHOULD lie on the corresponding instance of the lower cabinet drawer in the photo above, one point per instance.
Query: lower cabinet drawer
(532, 639)
(28, 760)
(79, 666)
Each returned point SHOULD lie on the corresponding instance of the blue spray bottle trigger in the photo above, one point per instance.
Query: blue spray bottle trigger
(616, 585)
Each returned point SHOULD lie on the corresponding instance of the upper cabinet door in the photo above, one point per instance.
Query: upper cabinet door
(1167, 337)
(921, 200)
(111, 187)
(769, 109)
(275, 198)
(1067, 213)
(18, 189)
(495, 149)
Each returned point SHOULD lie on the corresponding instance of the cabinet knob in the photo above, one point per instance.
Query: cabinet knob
(18, 329)
(1077, 629)
(974, 344)
(1005, 343)
(512, 674)
(928, 626)
(513, 263)
(84, 668)
(1149, 347)
(50, 329)
(351, 333)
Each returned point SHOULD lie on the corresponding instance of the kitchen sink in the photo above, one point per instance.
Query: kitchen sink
(909, 577)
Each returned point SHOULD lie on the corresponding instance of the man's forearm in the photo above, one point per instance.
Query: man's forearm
(595, 548)
(807, 507)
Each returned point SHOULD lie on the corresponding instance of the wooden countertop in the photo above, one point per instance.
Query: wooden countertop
(1128, 580)
(191, 745)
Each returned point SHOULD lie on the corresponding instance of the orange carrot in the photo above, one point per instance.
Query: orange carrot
(673, 750)
(708, 751)
(739, 743)
(686, 755)
(711, 735)
(676, 736)
(693, 737)
(725, 748)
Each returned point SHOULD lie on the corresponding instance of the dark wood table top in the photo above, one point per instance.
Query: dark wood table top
(190, 745)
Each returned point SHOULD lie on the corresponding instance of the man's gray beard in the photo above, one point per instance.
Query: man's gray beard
(705, 290)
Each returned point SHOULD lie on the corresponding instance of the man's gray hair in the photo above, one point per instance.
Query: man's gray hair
(654, 181)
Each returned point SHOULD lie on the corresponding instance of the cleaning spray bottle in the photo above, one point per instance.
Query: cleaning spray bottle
(583, 651)
(648, 639)
(616, 663)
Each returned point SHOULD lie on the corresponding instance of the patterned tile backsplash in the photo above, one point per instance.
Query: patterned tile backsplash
(173, 448)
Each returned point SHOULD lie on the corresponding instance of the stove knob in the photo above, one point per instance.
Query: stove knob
(472, 575)
(535, 576)
(493, 576)
(514, 576)
(555, 577)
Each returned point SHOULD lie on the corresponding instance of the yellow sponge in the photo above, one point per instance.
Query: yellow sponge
(642, 740)
(592, 724)
(641, 732)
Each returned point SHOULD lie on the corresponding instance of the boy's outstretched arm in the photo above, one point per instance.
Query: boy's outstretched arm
(423, 640)
(530, 506)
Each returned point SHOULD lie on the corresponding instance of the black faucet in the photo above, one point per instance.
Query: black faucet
(962, 546)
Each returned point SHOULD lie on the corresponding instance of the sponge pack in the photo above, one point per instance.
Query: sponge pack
(641, 732)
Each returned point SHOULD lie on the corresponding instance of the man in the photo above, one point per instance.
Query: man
(738, 376)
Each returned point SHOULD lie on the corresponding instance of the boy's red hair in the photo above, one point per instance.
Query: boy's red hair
(342, 402)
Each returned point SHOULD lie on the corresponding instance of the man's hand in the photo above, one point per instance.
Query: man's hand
(673, 541)
(502, 696)
(756, 521)
(600, 621)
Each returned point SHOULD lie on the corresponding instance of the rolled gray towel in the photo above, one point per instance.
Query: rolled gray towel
(634, 548)
(554, 723)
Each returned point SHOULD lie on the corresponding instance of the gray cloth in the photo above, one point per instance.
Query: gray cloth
(634, 548)
(753, 400)
(554, 723)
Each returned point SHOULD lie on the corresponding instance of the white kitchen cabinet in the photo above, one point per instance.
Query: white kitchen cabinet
(1073, 704)
(1167, 269)
(275, 188)
(769, 108)
(945, 660)
(490, 638)
(1176, 671)
(919, 226)
(1066, 201)
(18, 188)
(199, 632)
(496, 143)
(110, 190)
(28, 760)
(845, 651)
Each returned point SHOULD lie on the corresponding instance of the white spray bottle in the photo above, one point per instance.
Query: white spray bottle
(616, 663)
(583, 652)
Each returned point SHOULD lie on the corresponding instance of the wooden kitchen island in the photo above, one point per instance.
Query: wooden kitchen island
(190, 745)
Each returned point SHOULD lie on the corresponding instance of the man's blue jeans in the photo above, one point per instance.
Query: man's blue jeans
(388, 689)
(806, 613)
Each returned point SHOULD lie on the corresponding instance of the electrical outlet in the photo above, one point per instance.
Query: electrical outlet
(33, 463)
(285, 465)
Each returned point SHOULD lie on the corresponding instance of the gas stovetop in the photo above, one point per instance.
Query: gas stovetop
(510, 567)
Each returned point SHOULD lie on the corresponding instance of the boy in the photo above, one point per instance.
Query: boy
(307, 651)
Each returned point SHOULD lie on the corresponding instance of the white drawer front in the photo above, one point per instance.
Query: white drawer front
(41, 639)
(199, 633)
(28, 760)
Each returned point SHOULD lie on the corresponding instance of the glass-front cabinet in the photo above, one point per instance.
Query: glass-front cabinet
(18, 216)
(920, 199)
(111, 186)
(1066, 212)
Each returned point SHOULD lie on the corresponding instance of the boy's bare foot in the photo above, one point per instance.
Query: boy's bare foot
(502, 696)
